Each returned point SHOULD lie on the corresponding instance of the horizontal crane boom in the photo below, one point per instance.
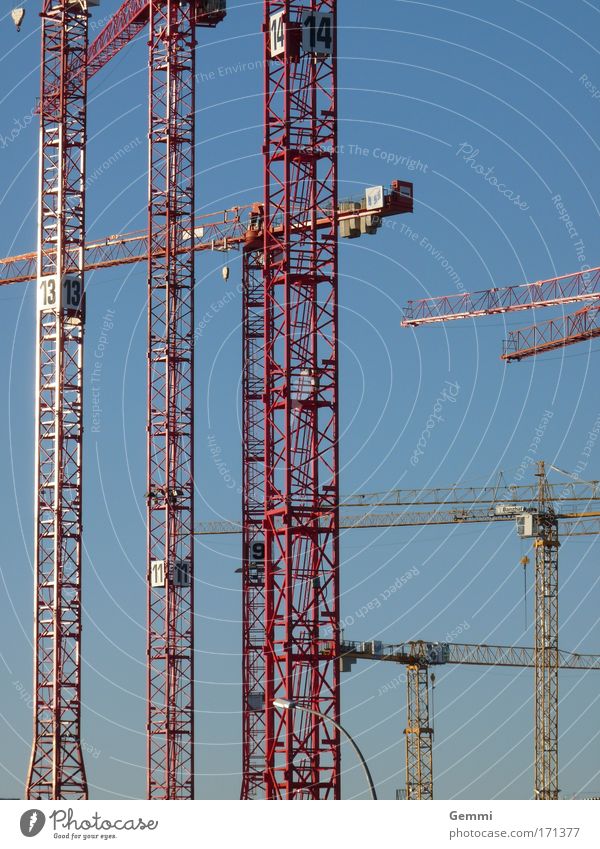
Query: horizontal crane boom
(225, 230)
(437, 654)
(499, 492)
(570, 288)
(550, 335)
(578, 524)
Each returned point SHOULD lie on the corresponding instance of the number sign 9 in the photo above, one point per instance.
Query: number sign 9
(257, 552)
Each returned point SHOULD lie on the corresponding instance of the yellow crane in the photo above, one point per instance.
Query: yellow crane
(538, 509)
(418, 656)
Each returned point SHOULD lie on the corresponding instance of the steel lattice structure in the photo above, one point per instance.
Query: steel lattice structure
(253, 548)
(557, 291)
(235, 228)
(170, 495)
(419, 734)
(291, 491)
(546, 647)
(573, 521)
(529, 341)
(56, 768)
(358, 220)
(423, 653)
(225, 230)
(301, 398)
(552, 334)
(418, 656)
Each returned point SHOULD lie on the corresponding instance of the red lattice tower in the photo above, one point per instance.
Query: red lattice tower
(301, 522)
(170, 495)
(253, 546)
(56, 769)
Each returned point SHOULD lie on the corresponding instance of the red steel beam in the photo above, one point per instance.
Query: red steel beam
(213, 231)
(127, 22)
(130, 19)
(570, 288)
(550, 335)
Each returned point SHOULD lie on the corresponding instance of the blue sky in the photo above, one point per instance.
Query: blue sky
(423, 86)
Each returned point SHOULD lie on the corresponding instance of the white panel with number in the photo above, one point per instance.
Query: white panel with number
(277, 29)
(47, 294)
(157, 573)
(317, 33)
(374, 196)
(51, 296)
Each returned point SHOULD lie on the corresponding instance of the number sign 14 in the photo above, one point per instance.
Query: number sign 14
(317, 33)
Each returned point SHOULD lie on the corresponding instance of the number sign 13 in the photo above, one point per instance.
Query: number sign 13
(67, 298)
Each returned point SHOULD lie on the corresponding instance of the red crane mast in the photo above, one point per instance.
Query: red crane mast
(301, 520)
(570, 288)
(56, 769)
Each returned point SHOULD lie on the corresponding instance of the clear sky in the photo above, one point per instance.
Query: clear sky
(432, 87)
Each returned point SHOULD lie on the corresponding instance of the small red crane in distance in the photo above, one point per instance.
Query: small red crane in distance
(528, 341)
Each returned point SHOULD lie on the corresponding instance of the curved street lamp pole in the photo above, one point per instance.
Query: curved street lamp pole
(286, 704)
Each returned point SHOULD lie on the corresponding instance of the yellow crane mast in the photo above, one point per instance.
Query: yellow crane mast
(418, 656)
(538, 510)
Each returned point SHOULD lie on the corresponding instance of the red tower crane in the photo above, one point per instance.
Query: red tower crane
(56, 768)
(301, 522)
